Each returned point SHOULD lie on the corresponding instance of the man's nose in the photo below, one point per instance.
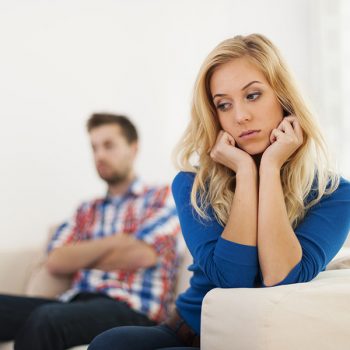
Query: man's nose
(99, 154)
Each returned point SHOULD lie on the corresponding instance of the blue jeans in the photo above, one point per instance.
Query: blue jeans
(138, 338)
(47, 324)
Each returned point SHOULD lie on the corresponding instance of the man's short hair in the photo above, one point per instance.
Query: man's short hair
(127, 127)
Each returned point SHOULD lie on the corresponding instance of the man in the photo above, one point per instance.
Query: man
(122, 251)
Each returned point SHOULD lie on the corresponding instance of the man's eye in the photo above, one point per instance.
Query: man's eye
(109, 145)
(253, 96)
(223, 106)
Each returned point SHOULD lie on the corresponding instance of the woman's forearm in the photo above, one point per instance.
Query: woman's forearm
(241, 226)
(278, 247)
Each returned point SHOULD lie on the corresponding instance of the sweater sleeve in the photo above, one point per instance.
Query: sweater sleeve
(226, 264)
(321, 234)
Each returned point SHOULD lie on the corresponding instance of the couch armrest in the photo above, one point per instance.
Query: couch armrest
(15, 267)
(313, 315)
(43, 284)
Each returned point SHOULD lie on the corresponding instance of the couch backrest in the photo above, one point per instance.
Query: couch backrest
(15, 268)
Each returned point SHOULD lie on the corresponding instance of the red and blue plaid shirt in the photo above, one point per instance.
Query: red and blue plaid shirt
(147, 213)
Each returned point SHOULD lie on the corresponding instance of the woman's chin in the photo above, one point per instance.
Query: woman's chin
(254, 151)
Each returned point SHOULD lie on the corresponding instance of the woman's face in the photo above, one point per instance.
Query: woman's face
(246, 105)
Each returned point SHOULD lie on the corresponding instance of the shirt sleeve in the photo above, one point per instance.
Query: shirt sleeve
(321, 234)
(226, 264)
(72, 230)
(160, 226)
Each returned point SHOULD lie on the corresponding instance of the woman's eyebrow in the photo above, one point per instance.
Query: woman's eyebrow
(243, 88)
(219, 95)
(252, 82)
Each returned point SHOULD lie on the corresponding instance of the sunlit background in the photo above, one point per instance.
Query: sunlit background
(62, 60)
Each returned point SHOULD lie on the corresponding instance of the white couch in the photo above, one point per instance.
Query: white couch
(304, 316)
(307, 316)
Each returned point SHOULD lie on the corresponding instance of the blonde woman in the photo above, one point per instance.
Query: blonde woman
(261, 206)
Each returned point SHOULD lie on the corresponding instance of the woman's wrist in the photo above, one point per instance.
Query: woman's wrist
(269, 168)
(247, 170)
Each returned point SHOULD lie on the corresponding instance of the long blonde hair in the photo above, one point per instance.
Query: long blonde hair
(214, 184)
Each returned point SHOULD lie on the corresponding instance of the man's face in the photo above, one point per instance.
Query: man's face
(113, 155)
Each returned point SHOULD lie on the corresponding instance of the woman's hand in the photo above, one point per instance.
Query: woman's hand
(226, 153)
(285, 140)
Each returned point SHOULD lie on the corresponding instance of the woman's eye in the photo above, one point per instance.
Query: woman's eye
(253, 96)
(223, 106)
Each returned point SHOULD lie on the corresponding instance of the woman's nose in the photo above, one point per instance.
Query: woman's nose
(242, 114)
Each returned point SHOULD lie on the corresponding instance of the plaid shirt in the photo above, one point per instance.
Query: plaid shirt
(147, 213)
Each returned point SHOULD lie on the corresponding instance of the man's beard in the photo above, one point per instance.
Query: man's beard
(115, 178)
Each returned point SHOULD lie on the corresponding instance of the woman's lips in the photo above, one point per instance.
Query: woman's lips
(249, 134)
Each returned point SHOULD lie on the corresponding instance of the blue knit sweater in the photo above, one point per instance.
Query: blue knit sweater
(218, 262)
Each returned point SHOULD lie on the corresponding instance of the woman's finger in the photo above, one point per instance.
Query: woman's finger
(275, 135)
(298, 130)
(219, 135)
(230, 138)
(286, 127)
(296, 126)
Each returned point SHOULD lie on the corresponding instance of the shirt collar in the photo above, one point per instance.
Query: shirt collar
(136, 189)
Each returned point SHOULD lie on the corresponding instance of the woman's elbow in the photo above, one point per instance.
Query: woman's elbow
(272, 281)
(235, 281)
(296, 275)
(229, 276)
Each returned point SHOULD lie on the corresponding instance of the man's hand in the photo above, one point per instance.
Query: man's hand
(285, 140)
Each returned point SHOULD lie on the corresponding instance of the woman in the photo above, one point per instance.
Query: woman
(261, 206)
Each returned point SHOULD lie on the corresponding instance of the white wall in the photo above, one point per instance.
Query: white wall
(330, 73)
(62, 60)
